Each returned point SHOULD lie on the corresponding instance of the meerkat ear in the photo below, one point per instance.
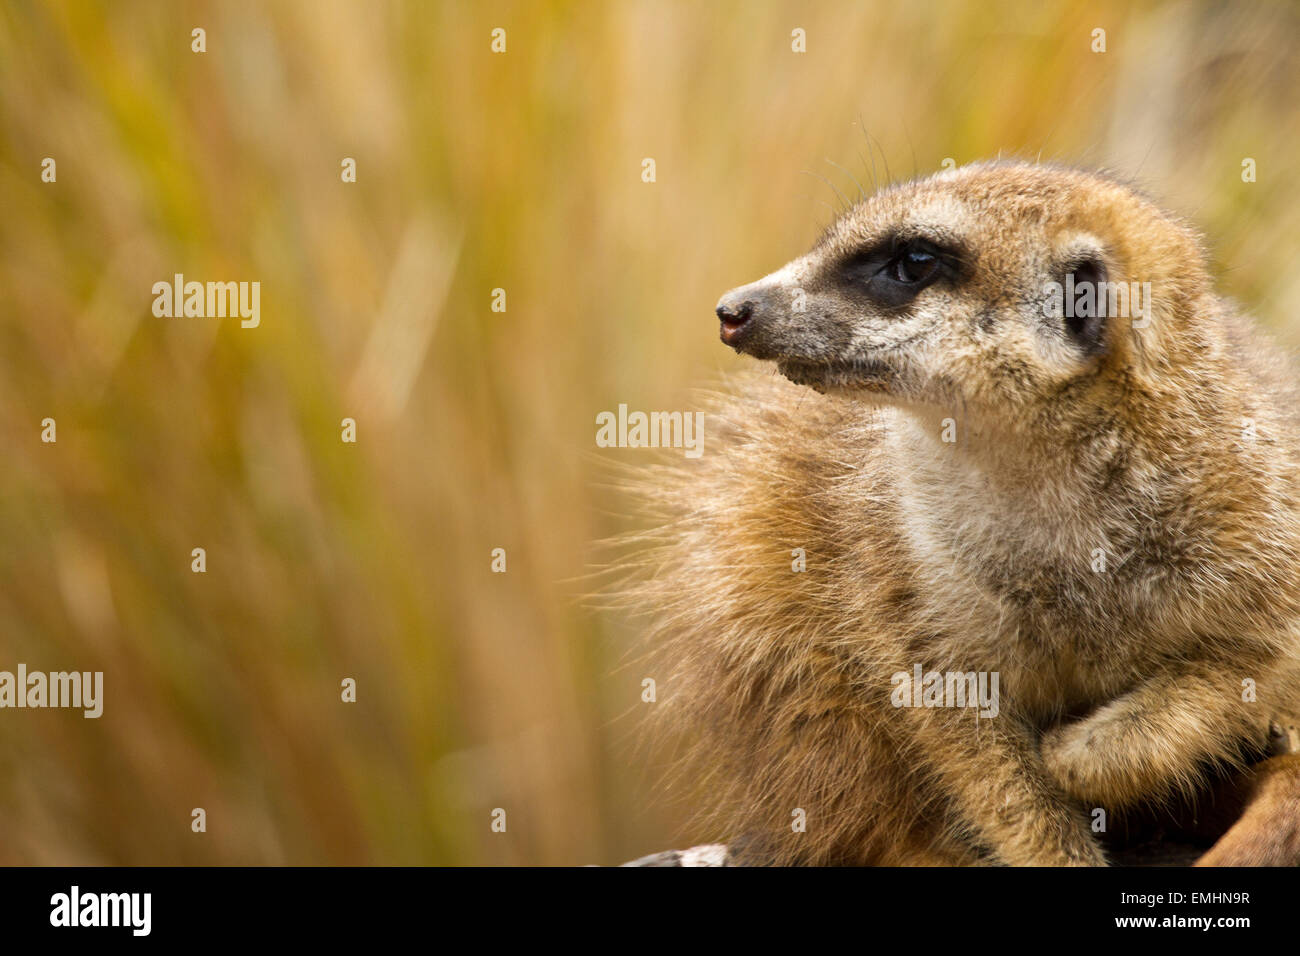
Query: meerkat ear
(1085, 302)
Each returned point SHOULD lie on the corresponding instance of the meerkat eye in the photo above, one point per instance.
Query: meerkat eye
(909, 268)
(894, 272)
(914, 265)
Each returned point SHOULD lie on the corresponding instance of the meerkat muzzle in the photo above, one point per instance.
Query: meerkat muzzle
(734, 316)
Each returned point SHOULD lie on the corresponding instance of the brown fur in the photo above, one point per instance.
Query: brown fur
(1268, 833)
(1118, 689)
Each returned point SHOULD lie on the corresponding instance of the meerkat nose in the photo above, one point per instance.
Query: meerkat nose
(734, 316)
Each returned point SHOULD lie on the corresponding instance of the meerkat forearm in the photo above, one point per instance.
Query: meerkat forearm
(1003, 793)
(1155, 740)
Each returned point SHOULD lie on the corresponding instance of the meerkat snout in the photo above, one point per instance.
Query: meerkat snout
(755, 318)
(777, 319)
(734, 312)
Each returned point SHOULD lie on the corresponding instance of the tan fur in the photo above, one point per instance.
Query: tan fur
(1118, 689)
(1268, 833)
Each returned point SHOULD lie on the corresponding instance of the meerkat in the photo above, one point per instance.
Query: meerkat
(960, 471)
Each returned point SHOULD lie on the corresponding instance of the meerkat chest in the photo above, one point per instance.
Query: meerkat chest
(1033, 592)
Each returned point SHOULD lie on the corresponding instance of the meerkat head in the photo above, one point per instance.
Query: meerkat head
(993, 287)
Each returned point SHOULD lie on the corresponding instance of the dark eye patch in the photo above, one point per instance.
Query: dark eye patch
(892, 273)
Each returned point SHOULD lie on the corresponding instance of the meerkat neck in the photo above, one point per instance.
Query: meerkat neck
(969, 496)
(947, 451)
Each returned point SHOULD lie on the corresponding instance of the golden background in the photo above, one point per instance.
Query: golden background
(476, 429)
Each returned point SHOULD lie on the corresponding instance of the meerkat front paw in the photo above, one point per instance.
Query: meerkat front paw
(1095, 763)
(1045, 832)
(1060, 838)
(1069, 844)
(1068, 752)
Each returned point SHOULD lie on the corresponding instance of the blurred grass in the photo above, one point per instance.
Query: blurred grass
(475, 171)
